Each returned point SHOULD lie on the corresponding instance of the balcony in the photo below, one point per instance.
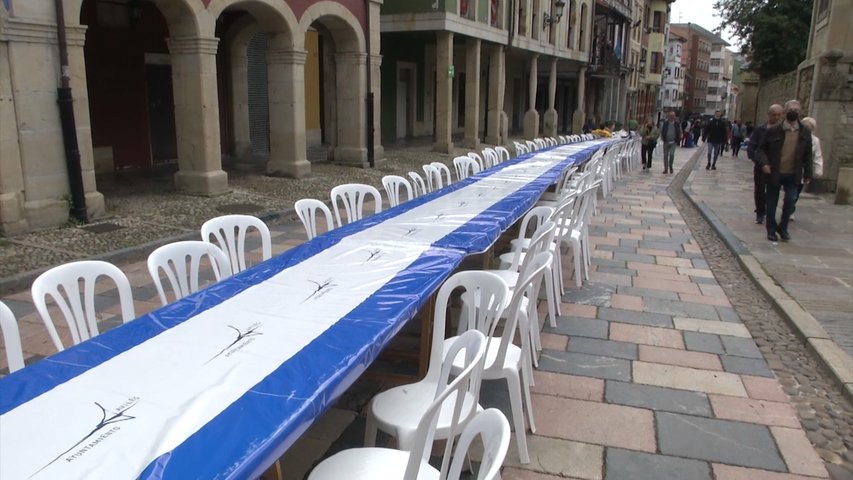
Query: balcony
(603, 61)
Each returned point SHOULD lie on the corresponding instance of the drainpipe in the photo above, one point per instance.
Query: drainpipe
(69, 128)
(370, 130)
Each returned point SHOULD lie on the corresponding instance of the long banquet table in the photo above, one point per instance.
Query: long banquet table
(219, 384)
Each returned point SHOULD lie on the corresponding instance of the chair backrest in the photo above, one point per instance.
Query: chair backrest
(520, 148)
(465, 167)
(566, 215)
(174, 259)
(420, 188)
(352, 195)
(490, 158)
(229, 233)
(503, 154)
(564, 183)
(62, 284)
(472, 347)
(307, 209)
(488, 295)
(528, 285)
(11, 339)
(533, 218)
(492, 427)
(543, 235)
(531, 145)
(432, 176)
(392, 184)
(477, 158)
(444, 174)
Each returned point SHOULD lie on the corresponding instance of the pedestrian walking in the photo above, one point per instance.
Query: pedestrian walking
(649, 135)
(670, 133)
(817, 158)
(738, 131)
(715, 135)
(759, 178)
(785, 153)
(697, 132)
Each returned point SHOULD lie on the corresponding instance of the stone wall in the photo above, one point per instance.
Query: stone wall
(778, 90)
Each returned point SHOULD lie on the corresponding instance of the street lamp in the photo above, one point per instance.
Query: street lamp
(548, 19)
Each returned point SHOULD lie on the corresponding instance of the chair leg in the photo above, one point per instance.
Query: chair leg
(557, 273)
(551, 295)
(577, 257)
(514, 387)
(526, 382)
(370, 430)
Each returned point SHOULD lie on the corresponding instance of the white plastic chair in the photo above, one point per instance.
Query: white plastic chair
(532, 146)
(11, 339)
(503, 154)
(447, 404)
(520, 148)
(307, 209)
(490, 158)
(229, 233)
(465, 167)
(493, 429)
(398, 410)
(504, 359)
(62, 284)
(392, 184)
(477, 158)
(444, 174)
(352, 195)
(418, 184)
(432, 177)
(173, 260)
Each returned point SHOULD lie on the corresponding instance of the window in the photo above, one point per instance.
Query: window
(582, 29)
(571, 20)
(657, 23)
(713, 91)
(494, 15)
(716, 62)
(656, 63)
(822, 9)
(715, 76)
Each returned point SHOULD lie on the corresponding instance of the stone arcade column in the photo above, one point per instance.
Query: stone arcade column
(497, 86)
(197, 116)
(579, 113)
(374, 10)
(551, 113)
(33, 174)
(472, 94)
(351, 80)
(443, 93)
(286, 93)
(531, 116)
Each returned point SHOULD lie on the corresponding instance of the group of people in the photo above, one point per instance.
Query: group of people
(786, 155)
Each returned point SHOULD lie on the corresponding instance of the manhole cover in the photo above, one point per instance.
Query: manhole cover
(239, 208)
(102, 227)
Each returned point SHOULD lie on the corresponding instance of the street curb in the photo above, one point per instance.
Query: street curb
(835, 361)
(24, 280)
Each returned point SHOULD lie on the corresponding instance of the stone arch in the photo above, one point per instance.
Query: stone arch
(343, 87)
(273, 16)
(184, 17)
(339, 21)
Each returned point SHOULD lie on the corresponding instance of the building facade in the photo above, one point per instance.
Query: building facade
(180, 82)
(672, 95)
(825, 89)
(481, 69)
(719, 78)
(699, 45)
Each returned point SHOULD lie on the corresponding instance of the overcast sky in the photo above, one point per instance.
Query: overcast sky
(702, 13)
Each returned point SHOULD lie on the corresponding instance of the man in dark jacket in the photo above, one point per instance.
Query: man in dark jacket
(759, 178)
(715, 135)
(670, 134)
(785, 155)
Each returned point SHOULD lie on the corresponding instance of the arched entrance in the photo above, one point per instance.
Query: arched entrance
(343, 82)
(262, 83)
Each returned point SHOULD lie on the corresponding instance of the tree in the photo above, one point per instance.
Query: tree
(774, 33)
